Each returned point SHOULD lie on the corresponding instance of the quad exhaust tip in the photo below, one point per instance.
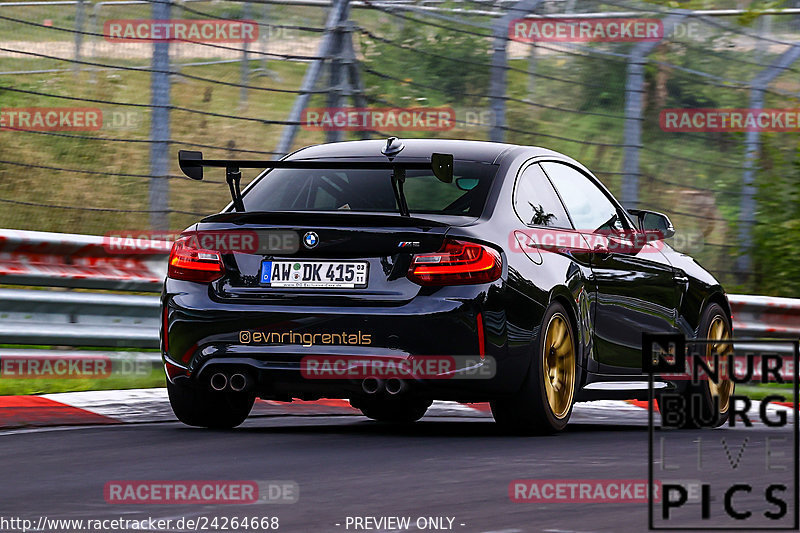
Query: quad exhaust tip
(371, 385)
(238, 382)
(219, 381)
(392, 386)
(395, 386)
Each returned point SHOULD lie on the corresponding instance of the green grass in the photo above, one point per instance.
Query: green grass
(759, 392)
(125, 373)
(155, 378)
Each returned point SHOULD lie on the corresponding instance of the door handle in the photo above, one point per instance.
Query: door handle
(602, 251)
(681, 278)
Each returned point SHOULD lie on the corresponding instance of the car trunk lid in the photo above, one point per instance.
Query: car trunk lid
(383, 243)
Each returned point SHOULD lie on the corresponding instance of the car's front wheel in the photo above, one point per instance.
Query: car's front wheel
(196, 406)
(705, 404)
(544, 403)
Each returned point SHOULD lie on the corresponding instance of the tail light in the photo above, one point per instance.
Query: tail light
(456, 263)
(191, 263)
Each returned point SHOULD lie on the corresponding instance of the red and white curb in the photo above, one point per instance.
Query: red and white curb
(152, 405)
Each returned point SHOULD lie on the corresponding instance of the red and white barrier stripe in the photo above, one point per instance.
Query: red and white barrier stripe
(152, 405)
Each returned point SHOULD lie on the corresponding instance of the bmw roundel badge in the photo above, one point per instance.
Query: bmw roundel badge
(310, 240)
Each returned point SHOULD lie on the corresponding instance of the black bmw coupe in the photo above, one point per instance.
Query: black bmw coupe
(394, 273)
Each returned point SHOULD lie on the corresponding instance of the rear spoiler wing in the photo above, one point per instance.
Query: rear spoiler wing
(192, 163)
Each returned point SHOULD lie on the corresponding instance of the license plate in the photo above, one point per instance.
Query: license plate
(315, 274)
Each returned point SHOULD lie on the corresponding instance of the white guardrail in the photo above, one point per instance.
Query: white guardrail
(67, 314)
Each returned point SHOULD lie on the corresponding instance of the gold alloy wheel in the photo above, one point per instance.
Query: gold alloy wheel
(719, 331)
(558, 365)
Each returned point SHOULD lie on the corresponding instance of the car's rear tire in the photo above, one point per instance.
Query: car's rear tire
(705, 404)
(197, 406)
(544, 403)
(393, 410)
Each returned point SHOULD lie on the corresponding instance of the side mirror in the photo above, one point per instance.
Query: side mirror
(653, 223)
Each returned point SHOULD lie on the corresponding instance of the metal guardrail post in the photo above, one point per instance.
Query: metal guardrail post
(159, 125)
(335, 18)
(497, 78)
(245, 65)
(79, 24)
(632, 134)
(752, 148)
(499, 69)
(356, 85)
(337, 71)
(263, 45)
(264, 38)
(532, 61)
(93, 30)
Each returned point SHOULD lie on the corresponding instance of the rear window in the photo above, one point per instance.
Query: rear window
(371, 190)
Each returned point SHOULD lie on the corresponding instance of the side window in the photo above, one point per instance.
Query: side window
(536, 202)
(589, 208)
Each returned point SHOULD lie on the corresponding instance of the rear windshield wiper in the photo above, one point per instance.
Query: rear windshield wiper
(192, 163)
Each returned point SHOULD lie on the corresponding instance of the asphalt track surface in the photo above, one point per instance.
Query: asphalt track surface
(456, 467)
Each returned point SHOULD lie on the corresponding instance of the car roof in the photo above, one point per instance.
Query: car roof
(483, 151)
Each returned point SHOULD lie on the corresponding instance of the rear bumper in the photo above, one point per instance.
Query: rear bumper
(207, 336)
(284, 380)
